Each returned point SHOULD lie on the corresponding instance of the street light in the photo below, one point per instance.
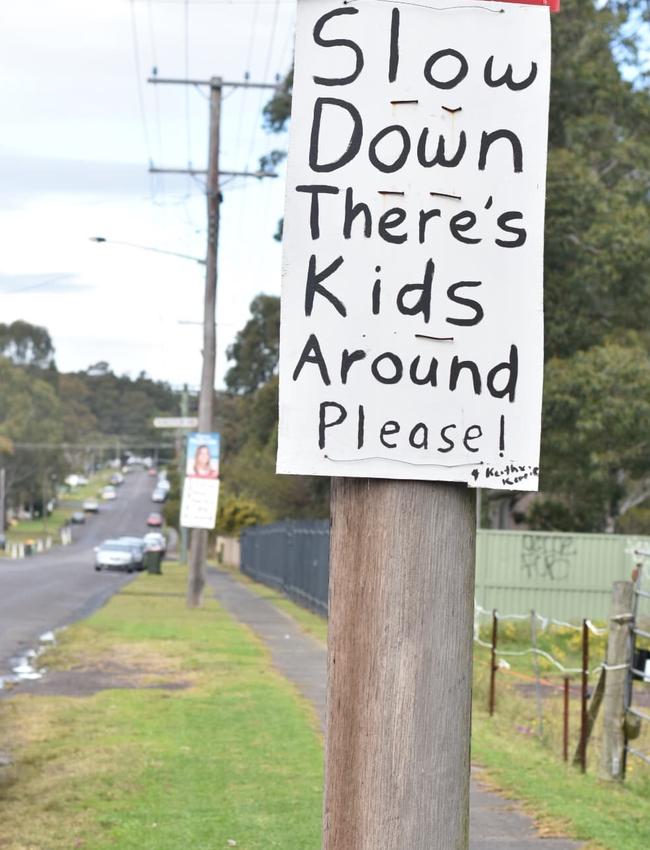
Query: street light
(146, 248)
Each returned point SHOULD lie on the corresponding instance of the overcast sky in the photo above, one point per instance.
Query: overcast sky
(74, 157)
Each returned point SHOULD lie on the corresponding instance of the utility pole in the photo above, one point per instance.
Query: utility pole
(199, 538)
(3, 506)
(401, 610)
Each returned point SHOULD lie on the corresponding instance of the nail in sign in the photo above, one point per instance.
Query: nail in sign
(412, 310)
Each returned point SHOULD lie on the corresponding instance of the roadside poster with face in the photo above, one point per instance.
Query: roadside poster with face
(202, 456)
(201, 485)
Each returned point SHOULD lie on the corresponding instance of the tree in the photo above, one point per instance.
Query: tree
(26, 344)
(596, 441)
(255, 349)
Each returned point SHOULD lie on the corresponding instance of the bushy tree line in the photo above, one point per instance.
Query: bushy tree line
(51, 422)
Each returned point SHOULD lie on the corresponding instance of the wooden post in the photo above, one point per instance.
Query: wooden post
(565, 725)
(493, 662)
(584, 697)
(199, 544)
(401, 604)
(538, 684)
(618, 656)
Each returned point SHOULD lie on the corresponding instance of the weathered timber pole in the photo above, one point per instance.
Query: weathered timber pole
(616, 674)
(401, 605)
(199, 538)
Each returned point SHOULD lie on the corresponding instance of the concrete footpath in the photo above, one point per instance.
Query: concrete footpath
(494, 823)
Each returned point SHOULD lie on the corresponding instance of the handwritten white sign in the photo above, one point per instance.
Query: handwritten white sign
(412, 312)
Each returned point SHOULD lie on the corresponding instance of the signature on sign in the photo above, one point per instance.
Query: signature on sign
(547, 557)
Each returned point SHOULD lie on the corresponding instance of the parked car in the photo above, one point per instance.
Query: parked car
(158, 495)
(90, 506)
(108, 493)
(152, 472)
(154, 541)
(137, 545)
(116, 479)
(114, 554)
(154, 520)
(163, 484)
(78, 518)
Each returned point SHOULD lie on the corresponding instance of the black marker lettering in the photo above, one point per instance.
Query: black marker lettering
(338, 42)
(387, 429)
(313, 286)
(354, 142)
(466, 302)
(440, 157)
(323, 424)
(390, 167)
(487, 139)
(312, 353)
(503, 223)
(314, 190)
(446, 84)
(507, 77)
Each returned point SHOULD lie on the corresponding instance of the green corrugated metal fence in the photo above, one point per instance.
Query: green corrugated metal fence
(566, 576)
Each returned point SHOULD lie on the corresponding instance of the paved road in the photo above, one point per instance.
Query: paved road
(495, 823)
(49, 590)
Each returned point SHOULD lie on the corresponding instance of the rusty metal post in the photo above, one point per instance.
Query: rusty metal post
(584, 696)
(493, 661)
(565, 724)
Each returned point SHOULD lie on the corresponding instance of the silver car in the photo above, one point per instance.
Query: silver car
(114, 555)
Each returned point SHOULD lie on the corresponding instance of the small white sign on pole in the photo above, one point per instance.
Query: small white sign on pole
(201, 483)
(412, 304)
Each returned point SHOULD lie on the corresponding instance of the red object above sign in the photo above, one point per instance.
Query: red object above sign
(554, 5)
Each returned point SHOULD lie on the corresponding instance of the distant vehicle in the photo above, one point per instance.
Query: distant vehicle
(154, 541)
(116, 479)
(108, 494)
(158, 495)
(152, 472)
(137, 546)
(154, 520)
(90, 506)
(163, 484)
(78, 518)
(113, 554)
(126, 469)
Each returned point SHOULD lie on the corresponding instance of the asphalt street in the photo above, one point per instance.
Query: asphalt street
(46, 591)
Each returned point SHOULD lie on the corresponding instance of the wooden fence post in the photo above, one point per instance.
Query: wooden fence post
(401, 606)
(618, 659)
(493, 662)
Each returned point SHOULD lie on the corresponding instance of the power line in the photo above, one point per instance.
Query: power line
(138, 75)
(247, 68)
(269, 56)
(186, 25)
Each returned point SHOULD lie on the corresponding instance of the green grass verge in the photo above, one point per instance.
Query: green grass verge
(210, 745)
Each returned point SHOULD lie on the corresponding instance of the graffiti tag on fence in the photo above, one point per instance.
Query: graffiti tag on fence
(547, 557)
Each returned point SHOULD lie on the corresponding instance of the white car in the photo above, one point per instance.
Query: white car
(90, 506)
(108, 494)
(116, 555)
(163, 484)
(159, 495)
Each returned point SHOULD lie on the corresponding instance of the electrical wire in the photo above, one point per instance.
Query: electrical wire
(138, 76)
